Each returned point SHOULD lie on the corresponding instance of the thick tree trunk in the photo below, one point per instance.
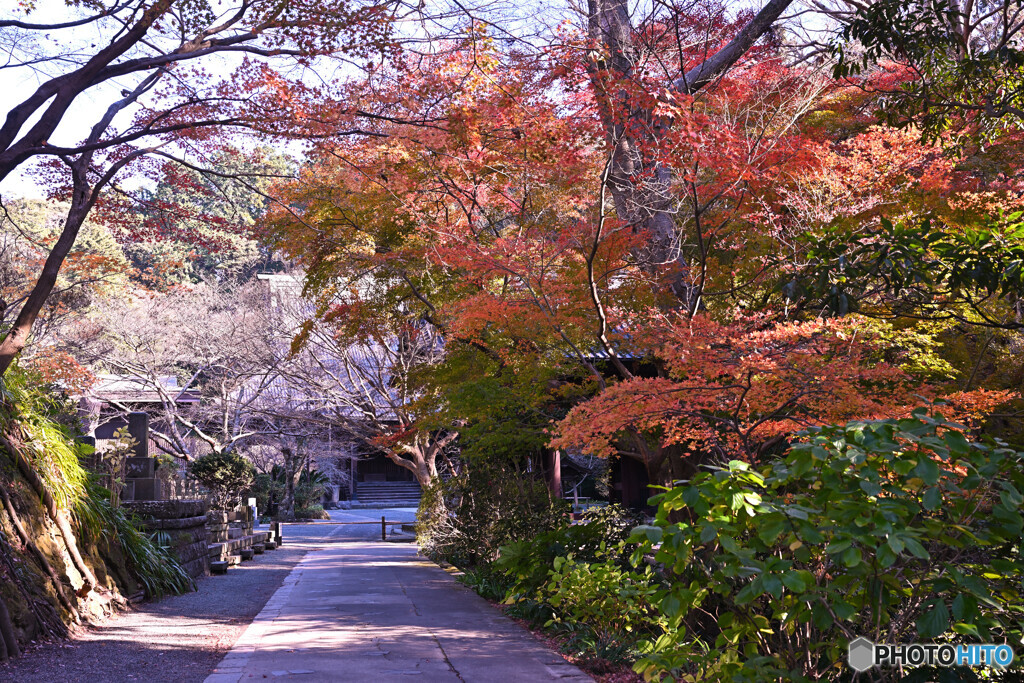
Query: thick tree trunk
(423, 457)
(640, 183)
(418, 465)
(553, 471)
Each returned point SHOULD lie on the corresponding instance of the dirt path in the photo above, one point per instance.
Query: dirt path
(177, 639)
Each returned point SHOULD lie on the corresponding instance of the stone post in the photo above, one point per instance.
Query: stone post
(138, 428)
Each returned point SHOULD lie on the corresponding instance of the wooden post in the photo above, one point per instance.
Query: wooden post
(553, 465)
(383, 529)
(352, 479)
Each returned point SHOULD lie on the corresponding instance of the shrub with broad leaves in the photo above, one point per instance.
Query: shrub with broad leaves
(898, 530)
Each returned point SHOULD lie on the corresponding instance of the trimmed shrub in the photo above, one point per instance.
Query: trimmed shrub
(227, 475)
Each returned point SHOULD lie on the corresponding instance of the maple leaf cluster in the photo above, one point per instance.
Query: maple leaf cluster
(481, 202)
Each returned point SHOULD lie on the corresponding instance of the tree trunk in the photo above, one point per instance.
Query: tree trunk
(18, 335)
(640, 183)
(553, 471)
(289, 486)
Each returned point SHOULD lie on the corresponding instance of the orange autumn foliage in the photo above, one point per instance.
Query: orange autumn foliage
(484, 207)
(732, 387)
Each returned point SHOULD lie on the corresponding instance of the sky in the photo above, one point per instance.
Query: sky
(17, 82)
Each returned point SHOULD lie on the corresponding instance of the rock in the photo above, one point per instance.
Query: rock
(166, 509)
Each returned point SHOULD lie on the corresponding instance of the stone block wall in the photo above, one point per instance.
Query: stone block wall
(184, 524)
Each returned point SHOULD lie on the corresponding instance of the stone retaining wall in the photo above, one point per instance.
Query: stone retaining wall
(184, 523)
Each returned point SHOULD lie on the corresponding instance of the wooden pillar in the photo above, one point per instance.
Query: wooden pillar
(553, 471)
(352, 479)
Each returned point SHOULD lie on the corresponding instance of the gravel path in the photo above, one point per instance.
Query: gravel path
(177, 639)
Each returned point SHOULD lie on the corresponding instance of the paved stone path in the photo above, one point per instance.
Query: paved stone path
(372, 611)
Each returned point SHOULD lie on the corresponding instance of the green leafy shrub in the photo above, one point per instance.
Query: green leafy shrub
(578, 580)
(309, 493)
(489, 583)
(152, 564)
(266, 489)
(271, 488)
(47, 423)
(896, 530)
(527, 563)
(227, 475)
(311, 512)
(44, 420)
(615, 603)
(466, 519)
(616, 521)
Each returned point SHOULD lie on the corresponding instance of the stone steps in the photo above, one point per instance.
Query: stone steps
(231, 550)
(380, 505)
(385, 494)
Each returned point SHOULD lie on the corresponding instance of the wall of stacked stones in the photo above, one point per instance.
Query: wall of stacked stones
(183, 527)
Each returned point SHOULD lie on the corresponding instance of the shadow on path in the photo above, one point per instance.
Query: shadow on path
(372, 611)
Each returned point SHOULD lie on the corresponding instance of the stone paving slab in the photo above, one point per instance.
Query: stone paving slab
(380, 612)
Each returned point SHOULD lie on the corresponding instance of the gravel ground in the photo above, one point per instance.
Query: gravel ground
(177, 639)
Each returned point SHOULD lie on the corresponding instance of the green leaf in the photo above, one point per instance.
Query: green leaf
(959, 606)
(934, 622)
(903, 466)
(820, 616)
(932, 498)
(928, 470)
(851, 558)
(771, 531)
(870, 487)
(796, 512)
(748, 592)
(653, 533)
(844, 610)
(838, 547)
(773, 584)
(966, 629)
(895, 543)
(798, 581)
(691, 496)
(729, 544)
(915, 548)
(886, 557)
